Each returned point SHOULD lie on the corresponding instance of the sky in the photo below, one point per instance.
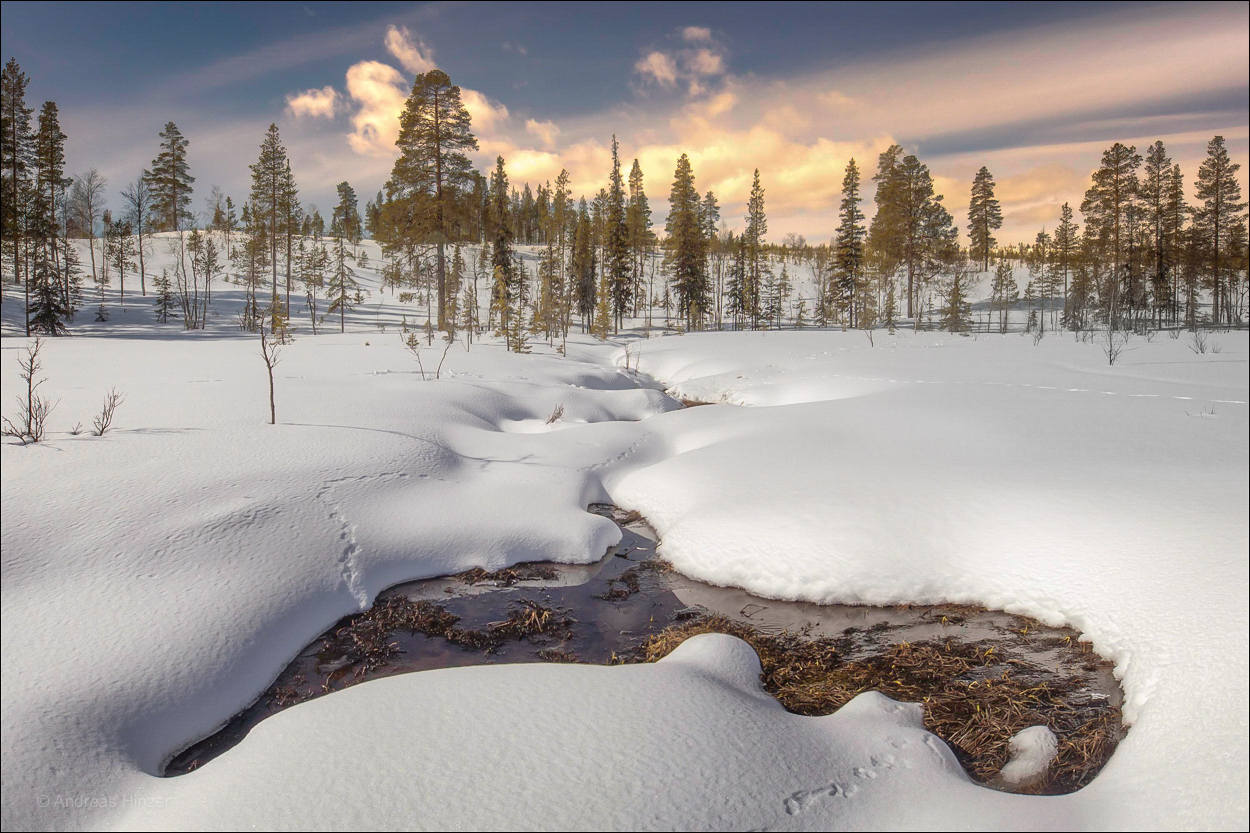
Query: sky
(1033, 91)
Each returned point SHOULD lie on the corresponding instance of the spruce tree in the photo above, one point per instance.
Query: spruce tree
(1065, 246)
(343, 292)
(164, 301)
(268, 192)
(849, 257)
(433, 166)
(503, 259)
(685, 246)
(1220, 194)
(170, 180)
(638, 221)
(616, 246)
(757, 270)
(984, 216)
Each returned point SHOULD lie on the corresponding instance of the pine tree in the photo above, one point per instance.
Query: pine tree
(508, 282)
(16, 149)
(984, 216)
(684, 242)
(1220, 194)
(582, 266)
(1106, 208)
(616, 247)
(638, 221)
(912, 227)
(164, 301)
(268, 192)
(170, 180)
(849, 257)
(1177, 211)
(432, 168)
(753, 237)
(344, 293)
(1065, 247)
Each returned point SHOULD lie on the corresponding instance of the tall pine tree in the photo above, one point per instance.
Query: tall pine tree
(984, 216)
(434, 137)
(170, 180)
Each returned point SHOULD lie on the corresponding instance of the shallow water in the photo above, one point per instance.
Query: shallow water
(601, 612)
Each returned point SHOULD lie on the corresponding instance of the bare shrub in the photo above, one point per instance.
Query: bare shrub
(556, 414)
(105, 419)
(1113, 342)
(1198, 344)
(269, 351)
(33, 409)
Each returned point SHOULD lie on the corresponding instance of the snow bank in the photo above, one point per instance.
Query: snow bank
(1036, 479)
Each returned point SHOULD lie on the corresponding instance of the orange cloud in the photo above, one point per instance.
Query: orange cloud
(314, 103)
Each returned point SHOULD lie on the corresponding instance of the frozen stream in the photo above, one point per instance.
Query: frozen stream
(603, 612)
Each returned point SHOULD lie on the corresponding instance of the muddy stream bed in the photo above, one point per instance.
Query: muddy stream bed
(982, 675)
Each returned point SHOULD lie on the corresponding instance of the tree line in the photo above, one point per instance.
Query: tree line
(1143, 258)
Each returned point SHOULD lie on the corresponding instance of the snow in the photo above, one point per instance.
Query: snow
(156, 579)
(1032, 750)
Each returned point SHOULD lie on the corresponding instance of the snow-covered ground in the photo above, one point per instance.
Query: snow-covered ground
(156, 579)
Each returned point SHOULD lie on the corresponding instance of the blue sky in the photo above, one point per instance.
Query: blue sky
(1034, 91)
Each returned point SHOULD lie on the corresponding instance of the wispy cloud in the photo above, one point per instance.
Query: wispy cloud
(314, 103)
(412, 54)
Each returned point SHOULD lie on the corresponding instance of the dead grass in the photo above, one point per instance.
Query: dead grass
(975, 713)
(508, 576)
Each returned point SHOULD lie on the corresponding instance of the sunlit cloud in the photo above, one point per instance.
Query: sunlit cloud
(658, 67)
(487, 115)
(546, 131)
(696, 34)
(413, 55)
(379, 91)
(313, 103)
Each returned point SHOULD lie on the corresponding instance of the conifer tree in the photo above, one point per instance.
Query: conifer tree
(16, 148)
(685, 246)
(503, 260)
(1106, 209)
(753, 238)
(984, 216)
(849, 257)
(344, 292)
(170, 181)
(912, 227)
(1214, 221)
(432, 168)
(1177, 211)
(268, 191)
(164, 300)
(616, 245)
(582, 266)
(1065, 247)
(638, 221)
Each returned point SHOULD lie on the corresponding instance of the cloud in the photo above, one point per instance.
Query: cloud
(487, 115)
(415, 57)
(313, 103)
(659, 67)
(835, 100)
(705, 62)
(379, 90)
(696, 34)
(546, 131)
